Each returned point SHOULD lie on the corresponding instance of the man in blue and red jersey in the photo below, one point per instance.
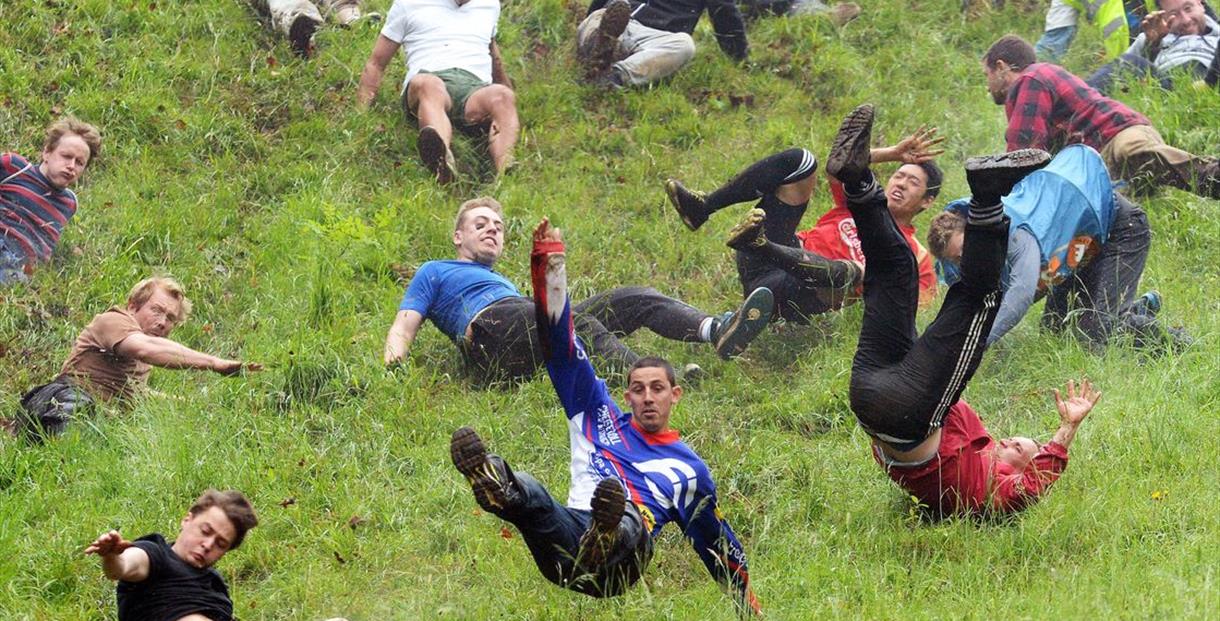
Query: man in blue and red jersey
(1049, 108)
(35, 202)
(630, 472)
(819, 269)
(493, 324)
(906, 391)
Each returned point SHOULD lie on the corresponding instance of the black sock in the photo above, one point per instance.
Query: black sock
(782, 219)
(985, 215)
(764, 177)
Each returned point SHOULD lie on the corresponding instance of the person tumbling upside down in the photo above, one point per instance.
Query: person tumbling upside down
(906, 391)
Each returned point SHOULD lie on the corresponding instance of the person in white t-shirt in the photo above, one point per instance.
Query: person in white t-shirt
(454, 76)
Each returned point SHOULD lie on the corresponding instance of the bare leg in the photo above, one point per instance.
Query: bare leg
(426, 95)
(498, 104)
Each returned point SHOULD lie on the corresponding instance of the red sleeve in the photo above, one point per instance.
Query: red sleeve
(1013, 492)
(927, 277)
(1029, 109)
(7, 166)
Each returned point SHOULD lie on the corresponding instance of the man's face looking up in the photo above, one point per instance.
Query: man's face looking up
(480, 236)
(904, 193)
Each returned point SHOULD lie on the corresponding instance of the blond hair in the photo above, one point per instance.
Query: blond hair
(145, 289)
(942, 229)
(475, 203)
(72, 125)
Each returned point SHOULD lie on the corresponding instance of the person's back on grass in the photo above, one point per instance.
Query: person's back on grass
(164, 581)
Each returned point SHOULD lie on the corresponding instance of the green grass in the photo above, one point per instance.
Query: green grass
(289, 217)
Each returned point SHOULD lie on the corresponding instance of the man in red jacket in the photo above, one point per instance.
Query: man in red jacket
(905, 391)
(818, 270)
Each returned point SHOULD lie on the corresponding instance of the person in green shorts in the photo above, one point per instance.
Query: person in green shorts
(454, 77)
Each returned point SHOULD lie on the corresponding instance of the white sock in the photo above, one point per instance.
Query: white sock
(705, 329)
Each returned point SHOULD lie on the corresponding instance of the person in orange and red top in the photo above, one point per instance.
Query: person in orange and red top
(906, 389)
(818, 270)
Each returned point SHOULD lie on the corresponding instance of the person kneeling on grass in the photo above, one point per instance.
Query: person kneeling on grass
(820, 269)
(631, 474)
(161, 581)
(493, 324)
(114, 354)
(905, 391)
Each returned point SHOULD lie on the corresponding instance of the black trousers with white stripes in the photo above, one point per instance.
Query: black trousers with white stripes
(901, 385)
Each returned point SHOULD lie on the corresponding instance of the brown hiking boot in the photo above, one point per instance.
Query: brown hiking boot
(300, 35)
(436, 155)
(608, 505)
(493, 485)
(599, 53)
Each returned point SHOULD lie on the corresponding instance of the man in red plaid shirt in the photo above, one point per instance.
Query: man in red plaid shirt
(1049, 108)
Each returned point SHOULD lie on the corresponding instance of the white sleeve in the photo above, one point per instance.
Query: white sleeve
(396, 22)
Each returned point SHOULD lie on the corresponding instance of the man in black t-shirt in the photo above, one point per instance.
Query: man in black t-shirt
(161, 581)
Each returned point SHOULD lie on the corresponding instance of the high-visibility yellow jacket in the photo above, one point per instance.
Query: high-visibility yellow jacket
(1111, 17)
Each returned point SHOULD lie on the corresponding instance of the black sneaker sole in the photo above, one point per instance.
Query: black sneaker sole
(674, 190)
(300, 36)
(850, 149)
(469, 456)
(748, 323)
(745, 234)
(435, 155)
(997, 174)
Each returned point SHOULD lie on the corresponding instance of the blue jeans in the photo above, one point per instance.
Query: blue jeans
(552, 533)
(12, 264)
(1055, 43)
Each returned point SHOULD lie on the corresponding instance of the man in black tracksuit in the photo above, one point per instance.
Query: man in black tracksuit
(627, 42)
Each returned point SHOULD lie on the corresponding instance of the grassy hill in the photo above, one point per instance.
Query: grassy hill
(293, 221)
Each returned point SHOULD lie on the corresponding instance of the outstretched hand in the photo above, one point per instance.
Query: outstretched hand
(1155, 26)
(1080, 400)
(920, 146)
(544, 232)
(233, 367)
(109, 544)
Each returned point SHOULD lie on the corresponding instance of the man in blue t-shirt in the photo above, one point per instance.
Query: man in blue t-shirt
(162, 581)
(630, 471)
(493, 324)
(1074, 240)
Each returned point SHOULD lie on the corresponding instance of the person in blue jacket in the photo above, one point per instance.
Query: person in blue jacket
(630, 472)
(1075, 241)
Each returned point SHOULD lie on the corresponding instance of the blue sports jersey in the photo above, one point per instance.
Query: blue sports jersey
(663, 477)
(451, 293)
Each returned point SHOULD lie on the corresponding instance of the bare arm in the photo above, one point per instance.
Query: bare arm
(1080, 401)
(498, 75)
(402, 333)
(919, 147)
(374, 70)
(120, 559)
(167, 354)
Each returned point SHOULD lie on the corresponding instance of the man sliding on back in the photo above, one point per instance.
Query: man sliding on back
(905, 391)
(631, 474)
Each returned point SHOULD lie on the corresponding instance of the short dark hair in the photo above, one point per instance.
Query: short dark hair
(1013, 50)
(235, 507)
(654, 362)
(936, 178)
